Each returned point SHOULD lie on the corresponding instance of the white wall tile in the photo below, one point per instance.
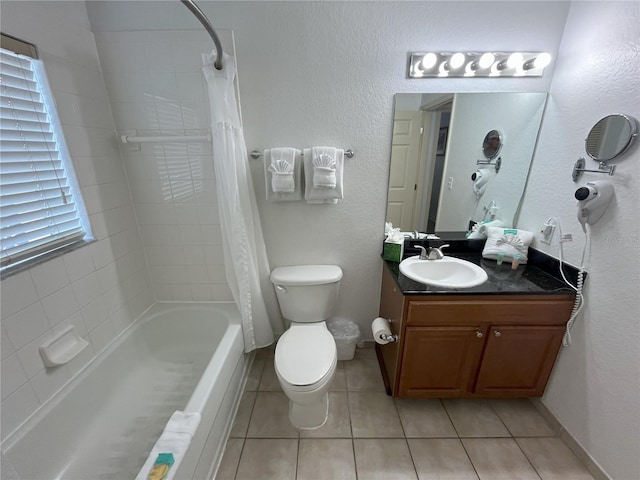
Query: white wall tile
(26, 325)
(79, 263)
(60, 305)
(17, 407)
(87, 289)
(129, 87)
(29, 355)
(49, 380)
(102, 335)
(6, 347)
(17, 292)
(13, 375)
(94, 313)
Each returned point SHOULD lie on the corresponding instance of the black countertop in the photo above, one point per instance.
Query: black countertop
(541, 275)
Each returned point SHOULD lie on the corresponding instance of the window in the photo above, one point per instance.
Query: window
(40, 206)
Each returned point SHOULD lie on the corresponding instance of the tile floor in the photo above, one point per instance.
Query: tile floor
(370, 435)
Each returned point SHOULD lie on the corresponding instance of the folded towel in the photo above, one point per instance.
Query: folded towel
(183, 422)
(324, 167)
(282, 173)
(480, 230)
(175, 439)
(507, 240)
(323, 195)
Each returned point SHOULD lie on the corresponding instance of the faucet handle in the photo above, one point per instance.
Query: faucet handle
(423, 252)
(443, 246)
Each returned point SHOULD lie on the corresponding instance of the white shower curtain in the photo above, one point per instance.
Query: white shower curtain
(246, 263)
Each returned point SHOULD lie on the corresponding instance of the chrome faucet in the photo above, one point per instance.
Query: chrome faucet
(423, 252)
(435, 253)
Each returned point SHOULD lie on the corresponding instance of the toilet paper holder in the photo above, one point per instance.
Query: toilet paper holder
(389, 338)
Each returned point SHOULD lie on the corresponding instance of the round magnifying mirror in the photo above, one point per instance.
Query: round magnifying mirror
(492, 144)
(611, 136)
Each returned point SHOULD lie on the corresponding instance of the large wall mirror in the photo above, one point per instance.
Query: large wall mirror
(440, 141)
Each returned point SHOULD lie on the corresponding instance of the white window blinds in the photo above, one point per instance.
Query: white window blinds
(37, 206)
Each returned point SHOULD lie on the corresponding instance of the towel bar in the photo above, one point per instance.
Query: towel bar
(257, 154)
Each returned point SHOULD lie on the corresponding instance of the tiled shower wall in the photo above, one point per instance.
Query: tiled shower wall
(156, 87)
(99, 288)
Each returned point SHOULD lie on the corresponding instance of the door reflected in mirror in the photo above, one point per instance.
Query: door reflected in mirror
(430, 184)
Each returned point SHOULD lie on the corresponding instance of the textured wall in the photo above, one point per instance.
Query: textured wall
(99, 288)
(595, 386)
(324, 73)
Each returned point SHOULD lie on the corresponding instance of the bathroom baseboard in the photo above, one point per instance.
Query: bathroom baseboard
(572, 443)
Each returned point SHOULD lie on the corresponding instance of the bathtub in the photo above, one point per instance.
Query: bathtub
(103, 424)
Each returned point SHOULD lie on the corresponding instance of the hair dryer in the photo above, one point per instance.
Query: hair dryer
(593, 200)
(480, 178)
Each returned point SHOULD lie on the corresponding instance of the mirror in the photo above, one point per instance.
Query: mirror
(610, 137)
(492, 144)
(440, 140)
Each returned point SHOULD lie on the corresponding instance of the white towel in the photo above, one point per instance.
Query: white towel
(507, 240)
(175, 439)
(480, 230)
(324, 167)
(323, 195)
(282, 173)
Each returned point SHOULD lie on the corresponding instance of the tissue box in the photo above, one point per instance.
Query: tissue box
(393, 251)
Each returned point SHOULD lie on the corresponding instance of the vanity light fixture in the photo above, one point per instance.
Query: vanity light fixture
(477, 64)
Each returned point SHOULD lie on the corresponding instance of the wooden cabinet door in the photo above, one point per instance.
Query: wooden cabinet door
(517, 360)
(440, 361)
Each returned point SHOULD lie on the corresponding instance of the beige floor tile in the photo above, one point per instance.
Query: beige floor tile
(553, 459)
(441, 459)
(363, 372)
(424, 418)
(269, 381)
(374, 415)
(270, 417)
(499, 459)
(230, 459)
(339, 383)
(475, 418)
(268, 459)
(255, 374)
(522, 418)
(241, 422)
(383, 459)
(326, 459)
(338, 424)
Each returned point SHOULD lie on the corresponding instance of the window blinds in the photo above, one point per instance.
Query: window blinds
(37, 206)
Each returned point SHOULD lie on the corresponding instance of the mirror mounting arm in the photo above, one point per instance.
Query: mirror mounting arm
(578, 168)
(497, 163)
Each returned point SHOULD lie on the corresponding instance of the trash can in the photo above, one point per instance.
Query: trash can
(346, 334)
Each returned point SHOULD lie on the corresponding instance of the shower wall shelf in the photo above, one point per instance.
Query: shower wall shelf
(255, 154)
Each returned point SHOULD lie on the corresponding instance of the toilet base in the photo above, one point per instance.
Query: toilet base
(310, 416)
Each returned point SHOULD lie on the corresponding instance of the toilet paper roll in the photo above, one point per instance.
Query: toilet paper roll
(380, 328)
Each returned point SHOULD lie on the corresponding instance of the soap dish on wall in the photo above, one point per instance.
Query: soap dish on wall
(62, 348)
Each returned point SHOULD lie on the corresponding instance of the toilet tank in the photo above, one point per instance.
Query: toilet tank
(307, 293)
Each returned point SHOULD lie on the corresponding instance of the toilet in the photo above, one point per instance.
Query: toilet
(306, 356)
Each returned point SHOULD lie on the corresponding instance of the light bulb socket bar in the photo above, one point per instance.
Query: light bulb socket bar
(439, 64)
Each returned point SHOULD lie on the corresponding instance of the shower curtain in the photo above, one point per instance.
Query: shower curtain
(246, 264)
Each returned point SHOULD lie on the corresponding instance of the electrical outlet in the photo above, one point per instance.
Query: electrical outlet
(546, 232)
(450, 183)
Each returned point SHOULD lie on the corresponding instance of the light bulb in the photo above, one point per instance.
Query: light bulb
(542, 60)
(515, 60)
(486, 60)
(456, 61)
(429, 61)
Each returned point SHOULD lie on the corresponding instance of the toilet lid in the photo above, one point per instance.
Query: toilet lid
(305, 354)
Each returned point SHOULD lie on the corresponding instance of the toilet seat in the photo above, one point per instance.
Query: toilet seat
(306, 355)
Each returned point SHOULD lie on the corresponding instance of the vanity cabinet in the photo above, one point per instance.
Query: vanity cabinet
(462, 345)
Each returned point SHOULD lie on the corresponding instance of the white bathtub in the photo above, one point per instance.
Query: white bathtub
(104, 423)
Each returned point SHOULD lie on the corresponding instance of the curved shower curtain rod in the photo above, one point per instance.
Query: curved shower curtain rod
(190, 4)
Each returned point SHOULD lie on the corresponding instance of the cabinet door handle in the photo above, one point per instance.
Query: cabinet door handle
(479, 334)
(497, 333)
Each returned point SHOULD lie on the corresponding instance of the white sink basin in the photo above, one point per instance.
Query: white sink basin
(447, 272)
